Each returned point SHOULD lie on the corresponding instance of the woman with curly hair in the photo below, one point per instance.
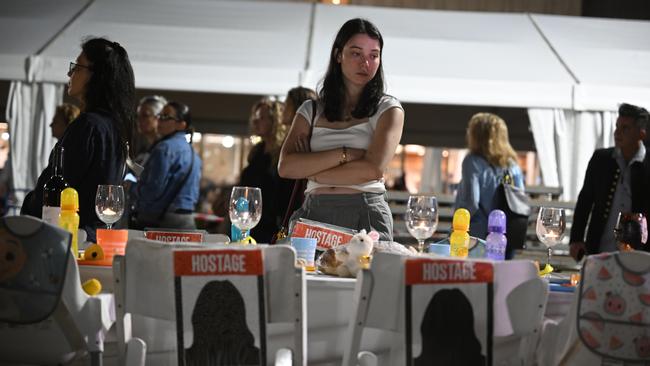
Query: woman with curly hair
(262, 171)
(96, 143)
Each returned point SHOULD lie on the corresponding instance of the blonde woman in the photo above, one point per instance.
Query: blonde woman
(489, 158)
(262, 171)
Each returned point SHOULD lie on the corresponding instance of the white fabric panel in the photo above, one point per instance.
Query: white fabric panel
(30, 109)
(26, 26)
(609, 57)
(198, 45)
(565, 142)
(453, 57)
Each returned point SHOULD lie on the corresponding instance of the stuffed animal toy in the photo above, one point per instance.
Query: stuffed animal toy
(358, 255)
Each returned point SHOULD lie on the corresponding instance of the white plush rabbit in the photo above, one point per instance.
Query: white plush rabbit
(358, 254)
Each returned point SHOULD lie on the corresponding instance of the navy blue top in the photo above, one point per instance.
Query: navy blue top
(477, 187)
(92, 156)
(163, 173)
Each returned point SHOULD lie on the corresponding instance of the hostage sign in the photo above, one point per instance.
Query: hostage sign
(327, 238)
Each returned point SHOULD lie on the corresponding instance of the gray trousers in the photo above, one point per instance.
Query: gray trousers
(368, 211)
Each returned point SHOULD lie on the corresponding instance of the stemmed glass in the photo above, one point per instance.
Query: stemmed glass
(245, 209)
(109, 203)
(421, 217)
(551, 223)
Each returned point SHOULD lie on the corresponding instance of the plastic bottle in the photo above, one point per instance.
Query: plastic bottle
(68, 218)
(459, 240)
(237, 235)
(53, 188)
(495, 243)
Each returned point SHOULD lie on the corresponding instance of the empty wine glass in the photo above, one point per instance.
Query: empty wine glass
(109, 204)
(551, 223)
(421, 217)
(245, 209)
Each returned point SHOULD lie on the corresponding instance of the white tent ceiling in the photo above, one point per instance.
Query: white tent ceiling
(446, 57)
(216, 46)
(609, 58)
(431, 57)
(26, 26)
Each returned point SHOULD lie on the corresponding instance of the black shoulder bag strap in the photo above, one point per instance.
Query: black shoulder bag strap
(179, 186)
(298, 187)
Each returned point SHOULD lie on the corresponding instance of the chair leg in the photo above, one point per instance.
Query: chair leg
(96, 358)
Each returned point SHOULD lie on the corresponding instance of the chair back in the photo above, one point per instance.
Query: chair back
(50, 319)
(33, 264)
(381, 303)
(613, 306)
(149, 295)
(223, 299)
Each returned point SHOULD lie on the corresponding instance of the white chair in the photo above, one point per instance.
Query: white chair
(379, 306)
(72, 324)
(608, 317)
(146, 318)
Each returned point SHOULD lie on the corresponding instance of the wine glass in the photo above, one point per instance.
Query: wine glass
(421, 217)
(245, 209)
(551, 223)
(109, 203)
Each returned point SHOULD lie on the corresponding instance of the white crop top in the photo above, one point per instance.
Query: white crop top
(358, 136)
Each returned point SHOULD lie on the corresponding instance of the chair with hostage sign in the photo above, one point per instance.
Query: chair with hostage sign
(45, 316)
(177, 287)
(491, 310)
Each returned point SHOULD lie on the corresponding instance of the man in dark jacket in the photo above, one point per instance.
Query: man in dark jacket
(616, 181)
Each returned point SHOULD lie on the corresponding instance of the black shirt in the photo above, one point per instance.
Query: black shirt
(92, 156)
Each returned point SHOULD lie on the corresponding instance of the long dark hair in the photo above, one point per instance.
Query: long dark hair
(332, 92)
(111, 86)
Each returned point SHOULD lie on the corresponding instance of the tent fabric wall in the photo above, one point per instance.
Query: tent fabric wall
(560, 134)
(608, 57)
(30, 109)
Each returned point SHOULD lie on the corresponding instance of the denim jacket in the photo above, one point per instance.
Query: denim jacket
(477, 187)
(164, 171)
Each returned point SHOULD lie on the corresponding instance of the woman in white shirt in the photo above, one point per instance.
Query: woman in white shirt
(356, 130)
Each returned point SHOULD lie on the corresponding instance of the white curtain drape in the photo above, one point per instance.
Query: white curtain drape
(30, 108)
(565, 141)
(431, 171)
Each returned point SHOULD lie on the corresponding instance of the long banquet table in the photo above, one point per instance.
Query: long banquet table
(329, 307)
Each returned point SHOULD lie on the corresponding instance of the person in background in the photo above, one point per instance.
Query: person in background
(616, 181)
(356, 130)
(148, 110)
(262, 171)
(96, 143)
(168, 190)
(295, 98)
(63, 116)
(490, 155)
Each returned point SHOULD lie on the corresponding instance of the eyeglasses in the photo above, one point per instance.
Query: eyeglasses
(74, 66)
(167, 117)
